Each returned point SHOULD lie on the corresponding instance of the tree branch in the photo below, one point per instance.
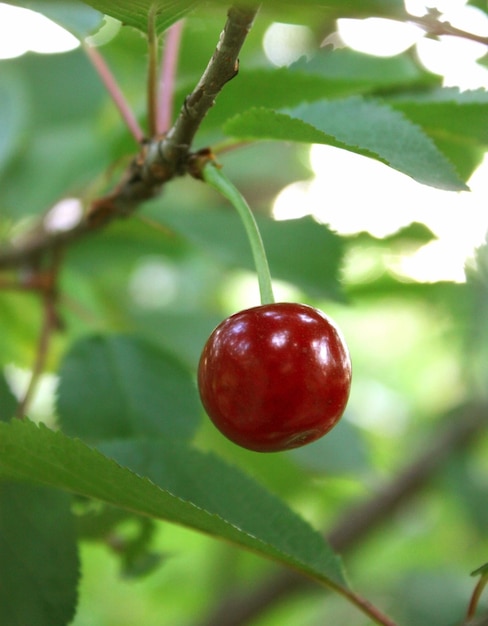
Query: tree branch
(434, 26)
(358, 521)
(159, 160)
(222, 67)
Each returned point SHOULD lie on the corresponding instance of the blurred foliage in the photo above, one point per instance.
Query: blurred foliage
(143, 295)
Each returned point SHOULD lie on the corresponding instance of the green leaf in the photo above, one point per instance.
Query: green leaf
(329, 74)
(39, 566)
(73, 15)
(316, 272)
(343, 451)
(183, 486)
(121, 386)
(8, 402)
(135, 12)
(12, 114)
(456, 121)
(366, 127)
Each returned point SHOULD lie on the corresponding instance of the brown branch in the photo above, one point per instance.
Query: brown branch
(222, 67)
(47, 281)
(358, 521)
(159, 160)
(435, 27)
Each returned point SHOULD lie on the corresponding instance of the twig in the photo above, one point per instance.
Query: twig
(433, 26)
(158, 160)
(476, 595)
(223, 66)
(358, 521)
(167, 78)
(50, 323)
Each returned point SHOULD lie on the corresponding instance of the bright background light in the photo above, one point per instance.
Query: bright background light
(22, 30)
(352, 193)
(349, 192)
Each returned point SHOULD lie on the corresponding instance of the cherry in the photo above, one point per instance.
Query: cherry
(275, 377)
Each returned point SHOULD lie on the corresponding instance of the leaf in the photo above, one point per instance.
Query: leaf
(343, 451)
(8, 402)
(366, 127)
(135, 12)
(328, 74)
(115, 386)
(316, 272)
(456, 121)
(73, 15)
(184, 486)
(39, 566)
(12, 114)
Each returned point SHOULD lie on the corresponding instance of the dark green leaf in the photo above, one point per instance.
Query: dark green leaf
(12, 114)
(186, 487)
(366, 127)
(316, 272)
(121, 386)
(135, 13)
(8, 402)
(39, 567)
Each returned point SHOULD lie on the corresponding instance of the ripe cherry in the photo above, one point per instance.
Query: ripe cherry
(275, 377)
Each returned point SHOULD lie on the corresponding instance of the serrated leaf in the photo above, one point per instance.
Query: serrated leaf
(328, 74)
(366, 127)
(39, 566)
(456, 121)
(185, 486)
(120, 386)
(316, 272)
(135, 12)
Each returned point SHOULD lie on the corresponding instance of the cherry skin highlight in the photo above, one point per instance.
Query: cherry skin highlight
(275, 377)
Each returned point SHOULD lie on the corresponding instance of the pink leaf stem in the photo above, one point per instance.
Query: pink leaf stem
(115, 92)
(167, 77)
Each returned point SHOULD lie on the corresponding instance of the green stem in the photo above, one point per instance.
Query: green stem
(218, 180)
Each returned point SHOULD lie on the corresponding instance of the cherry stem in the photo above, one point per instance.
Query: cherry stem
(214, 176)
(478, 590)
(115, 92)
(167, 77)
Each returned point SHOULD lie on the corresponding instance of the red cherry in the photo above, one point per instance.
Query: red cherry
(275, 377)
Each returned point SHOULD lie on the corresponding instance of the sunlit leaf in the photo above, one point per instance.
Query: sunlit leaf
(456, 121)
(366, 127)
(135, 12)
